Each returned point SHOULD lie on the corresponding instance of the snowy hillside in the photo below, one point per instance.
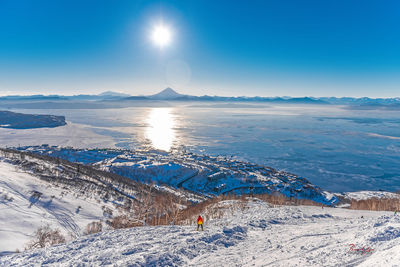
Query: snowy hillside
(26, 203)
(36, 191)
(202, 174)
(254, 234)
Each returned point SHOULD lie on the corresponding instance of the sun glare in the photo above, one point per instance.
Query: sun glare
(161, 128)
(161, 35)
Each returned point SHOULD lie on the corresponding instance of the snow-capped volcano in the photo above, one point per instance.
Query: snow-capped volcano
(167, 93)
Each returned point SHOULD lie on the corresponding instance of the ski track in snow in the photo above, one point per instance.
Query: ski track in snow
(21, 214)
(259, 235)
(62, 215)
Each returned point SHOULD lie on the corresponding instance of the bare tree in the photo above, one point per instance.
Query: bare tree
(45, 237)
(93, 227)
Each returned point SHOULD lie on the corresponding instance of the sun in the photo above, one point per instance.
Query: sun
(161, 35)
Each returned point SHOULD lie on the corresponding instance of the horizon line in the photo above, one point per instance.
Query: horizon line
(224, 96)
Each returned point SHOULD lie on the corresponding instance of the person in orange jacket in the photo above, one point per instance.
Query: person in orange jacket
(200, 223)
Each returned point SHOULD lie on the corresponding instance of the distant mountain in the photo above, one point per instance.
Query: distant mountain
(166, 94)
(169, 94)
(108, 95)
(361, 100)
(33, 97)
(114, 94)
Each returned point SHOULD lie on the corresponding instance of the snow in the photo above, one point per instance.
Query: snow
(201, 174)
(236, 233)
(362, 195)
(21, 214)
(254, 234)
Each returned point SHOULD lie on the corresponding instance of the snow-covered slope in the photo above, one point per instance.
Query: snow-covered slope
(36, 191)
(27, 203)
(254, 234)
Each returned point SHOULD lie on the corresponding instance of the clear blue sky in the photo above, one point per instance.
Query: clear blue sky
(267, 48)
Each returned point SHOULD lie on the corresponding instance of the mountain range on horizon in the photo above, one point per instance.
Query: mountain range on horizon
(171, 95)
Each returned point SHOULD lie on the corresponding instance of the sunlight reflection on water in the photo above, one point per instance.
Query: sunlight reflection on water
(161, 131)
(335, 148)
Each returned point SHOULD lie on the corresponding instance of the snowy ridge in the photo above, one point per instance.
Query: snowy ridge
(256, 235)
(202, 174)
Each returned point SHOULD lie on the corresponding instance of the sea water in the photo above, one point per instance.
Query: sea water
(335, 147)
